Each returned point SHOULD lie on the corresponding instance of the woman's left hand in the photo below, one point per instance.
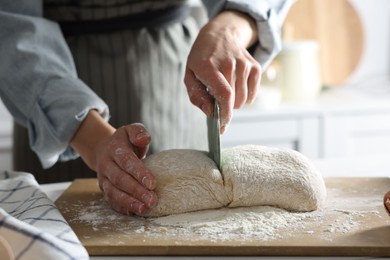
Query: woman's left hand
(116, 156)
(220, 66)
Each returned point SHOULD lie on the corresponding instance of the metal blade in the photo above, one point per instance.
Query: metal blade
(213, 132)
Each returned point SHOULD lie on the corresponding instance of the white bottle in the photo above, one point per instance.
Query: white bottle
(298, 75)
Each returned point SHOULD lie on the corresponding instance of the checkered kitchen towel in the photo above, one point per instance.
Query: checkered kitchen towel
(31, 224)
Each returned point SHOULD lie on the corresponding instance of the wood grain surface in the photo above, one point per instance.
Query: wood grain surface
(336, 25)
(352, 223)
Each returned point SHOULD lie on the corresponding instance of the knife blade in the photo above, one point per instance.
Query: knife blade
(214, 137)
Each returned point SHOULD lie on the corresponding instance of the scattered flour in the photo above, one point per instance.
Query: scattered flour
(261, 223)
(255, 223)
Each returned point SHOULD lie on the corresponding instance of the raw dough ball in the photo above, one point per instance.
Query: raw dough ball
(252, 175)
(187, 180)
(258, 175)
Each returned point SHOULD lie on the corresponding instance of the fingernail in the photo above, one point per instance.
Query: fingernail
(148, 199)
(250, 101)
(147, 183)
(142, 135)
(137, 208)
(223, 128)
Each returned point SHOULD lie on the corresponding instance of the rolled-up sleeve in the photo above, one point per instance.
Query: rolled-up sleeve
(38, 81)
(269, 16)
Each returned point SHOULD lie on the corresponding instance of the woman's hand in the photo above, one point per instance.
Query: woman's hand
(116, 157)
(220, 66)
(127, 184)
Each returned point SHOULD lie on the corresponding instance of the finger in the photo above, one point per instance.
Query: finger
(241, 89)
(121, 201)
(126, 183)
(197, 93)
(254, 80)
(224, 94)
(130, 163)
(228, 69)
(139, 138)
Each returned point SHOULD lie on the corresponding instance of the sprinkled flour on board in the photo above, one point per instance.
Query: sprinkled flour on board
(261, 223)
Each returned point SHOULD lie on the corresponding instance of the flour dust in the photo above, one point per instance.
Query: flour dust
(261, 223)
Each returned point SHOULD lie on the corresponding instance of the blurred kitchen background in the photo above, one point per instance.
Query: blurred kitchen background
(326, 95)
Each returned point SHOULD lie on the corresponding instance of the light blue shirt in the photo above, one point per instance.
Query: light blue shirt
(38, 78)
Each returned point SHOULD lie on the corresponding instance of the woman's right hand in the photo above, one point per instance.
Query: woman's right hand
(219, 65)
(116, 156)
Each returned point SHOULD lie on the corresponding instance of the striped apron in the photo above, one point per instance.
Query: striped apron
(139, 73)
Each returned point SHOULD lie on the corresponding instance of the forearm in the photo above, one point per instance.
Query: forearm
(39, 85)
(268, 15)
(92, 132)
(241, 24)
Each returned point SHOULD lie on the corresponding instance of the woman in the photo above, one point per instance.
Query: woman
(129, 56)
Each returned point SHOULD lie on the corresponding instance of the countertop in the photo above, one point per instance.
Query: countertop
(378, 166)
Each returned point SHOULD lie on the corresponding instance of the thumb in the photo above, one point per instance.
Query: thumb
(139, 139)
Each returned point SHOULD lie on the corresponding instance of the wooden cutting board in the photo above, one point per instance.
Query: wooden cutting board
(336, 25)
(352, 223)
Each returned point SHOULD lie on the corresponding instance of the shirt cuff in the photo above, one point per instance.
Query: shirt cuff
(269, 16)
(268, 27)
(56, 116)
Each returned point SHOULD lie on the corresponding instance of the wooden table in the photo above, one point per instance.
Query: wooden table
(352, 223)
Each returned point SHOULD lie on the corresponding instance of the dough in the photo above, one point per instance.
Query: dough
(252, 175)
(258, 175)
(187, 180)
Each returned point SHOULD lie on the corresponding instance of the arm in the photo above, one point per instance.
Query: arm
(268, 15)
(39, 86)
(220, 65)
(38, 81)
(115, 155)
